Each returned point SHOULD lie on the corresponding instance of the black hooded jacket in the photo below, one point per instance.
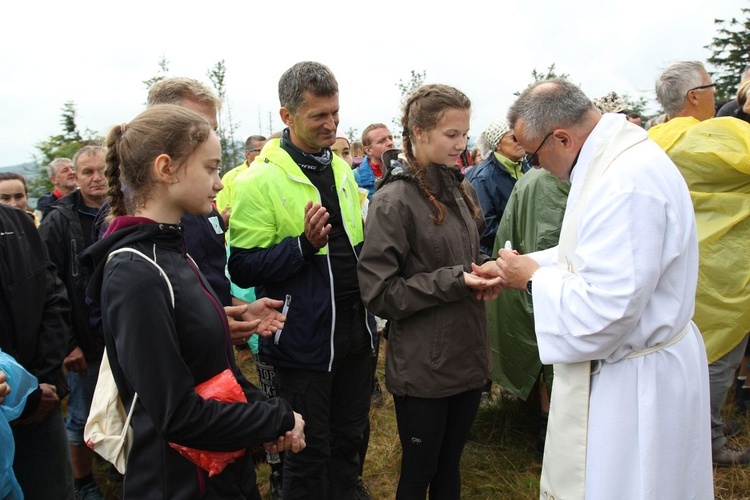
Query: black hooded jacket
(162, 353)
(34, 308)
(66, 239)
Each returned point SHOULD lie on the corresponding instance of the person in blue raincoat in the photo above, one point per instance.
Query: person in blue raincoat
(15, 386)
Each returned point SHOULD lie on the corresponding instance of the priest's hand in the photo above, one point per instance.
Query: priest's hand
(515, 270)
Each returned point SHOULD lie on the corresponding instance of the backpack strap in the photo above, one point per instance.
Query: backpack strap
(171, 295)
(148, 259)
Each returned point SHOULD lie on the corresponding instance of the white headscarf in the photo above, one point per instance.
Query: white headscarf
(490, 137)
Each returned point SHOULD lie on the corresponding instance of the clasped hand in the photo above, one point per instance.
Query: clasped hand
(4, 387)
(510, 270)
(48, 402)
(75, 361)
(293, 440)
(484, 280)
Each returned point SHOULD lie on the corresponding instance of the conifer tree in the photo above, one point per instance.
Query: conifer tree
(730, 48)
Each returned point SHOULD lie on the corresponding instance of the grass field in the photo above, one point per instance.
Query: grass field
(499, 462)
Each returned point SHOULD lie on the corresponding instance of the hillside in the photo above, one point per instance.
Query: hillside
(24, 169)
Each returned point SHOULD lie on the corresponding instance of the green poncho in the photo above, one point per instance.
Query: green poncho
(531, 222)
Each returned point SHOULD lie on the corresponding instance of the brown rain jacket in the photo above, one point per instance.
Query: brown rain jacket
(411, 273)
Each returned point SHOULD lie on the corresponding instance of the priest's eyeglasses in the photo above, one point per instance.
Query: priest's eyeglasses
(533, 158)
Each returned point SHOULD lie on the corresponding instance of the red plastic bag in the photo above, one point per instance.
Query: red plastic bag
(224, 388)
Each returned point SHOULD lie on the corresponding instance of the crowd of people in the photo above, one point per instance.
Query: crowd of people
(571, 254)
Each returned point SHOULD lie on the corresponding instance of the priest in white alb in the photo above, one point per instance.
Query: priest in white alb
(613, 302)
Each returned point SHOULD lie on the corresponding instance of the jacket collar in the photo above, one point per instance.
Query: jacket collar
(273, 153)
(132, 231)
(442, 180)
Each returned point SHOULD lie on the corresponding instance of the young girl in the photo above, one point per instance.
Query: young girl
(421, 240)
(168, 157)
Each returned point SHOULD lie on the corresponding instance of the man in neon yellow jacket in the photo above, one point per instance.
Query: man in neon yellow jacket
(253, 146)
(713, 156)
(295, 234)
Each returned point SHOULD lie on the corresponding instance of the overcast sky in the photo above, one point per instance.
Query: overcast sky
(97, 54)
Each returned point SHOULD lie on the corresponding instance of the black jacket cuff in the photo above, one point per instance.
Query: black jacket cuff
(32, 401)
(308, 250)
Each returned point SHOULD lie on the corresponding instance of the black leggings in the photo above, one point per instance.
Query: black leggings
(433, 433)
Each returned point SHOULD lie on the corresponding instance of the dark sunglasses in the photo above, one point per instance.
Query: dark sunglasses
(533, 158)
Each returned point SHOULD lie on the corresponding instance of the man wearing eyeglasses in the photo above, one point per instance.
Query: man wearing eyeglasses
(629, 416)
(685, 90)
(712, 155)
(253, 145)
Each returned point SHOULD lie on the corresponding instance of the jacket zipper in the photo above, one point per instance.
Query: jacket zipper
(225, 324)
(330, 273)
(463, 217)
(284, 311)
(201, 480)
(333, 292)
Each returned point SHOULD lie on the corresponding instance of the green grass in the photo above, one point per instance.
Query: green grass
(499, 461)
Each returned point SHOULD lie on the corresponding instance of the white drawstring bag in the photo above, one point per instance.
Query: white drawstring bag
(107, 429)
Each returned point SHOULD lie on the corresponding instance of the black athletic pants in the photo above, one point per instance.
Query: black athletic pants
(433, 433)
(335, 406)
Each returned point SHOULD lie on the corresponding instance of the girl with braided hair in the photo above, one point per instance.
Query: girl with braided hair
(164, 327)
(417, 269)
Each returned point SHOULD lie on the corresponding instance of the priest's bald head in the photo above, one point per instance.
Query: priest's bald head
(552, 119)
(685, 89)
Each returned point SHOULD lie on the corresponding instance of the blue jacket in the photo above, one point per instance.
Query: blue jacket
(493, 185)
(23, 384)
(267, 220)
(45, 202)
(366, 177)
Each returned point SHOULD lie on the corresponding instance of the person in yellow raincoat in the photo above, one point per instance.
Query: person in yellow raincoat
(713, 156)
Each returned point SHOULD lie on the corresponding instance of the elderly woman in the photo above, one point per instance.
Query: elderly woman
(494, 178)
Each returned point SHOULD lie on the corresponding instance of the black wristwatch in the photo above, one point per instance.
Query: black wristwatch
(528, 287)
